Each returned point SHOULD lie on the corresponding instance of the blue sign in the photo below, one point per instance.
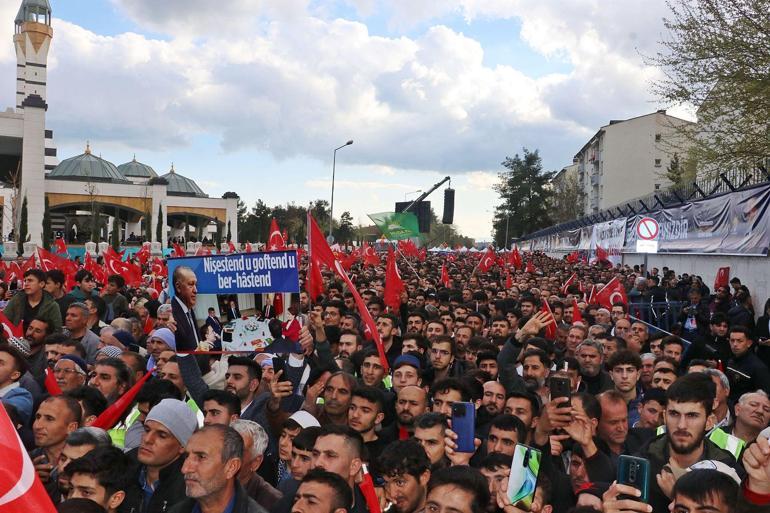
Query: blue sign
(241, 273)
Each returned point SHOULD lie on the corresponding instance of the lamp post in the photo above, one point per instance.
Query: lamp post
(331, 206)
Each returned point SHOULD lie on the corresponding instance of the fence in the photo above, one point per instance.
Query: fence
(663, 315)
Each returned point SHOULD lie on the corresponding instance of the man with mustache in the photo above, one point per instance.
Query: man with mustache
(752, 414)
(535, 367)
(214, 456)
(690, 400)
(405, 468)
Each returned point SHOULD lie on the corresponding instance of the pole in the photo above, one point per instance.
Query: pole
(334, 169)
(331, 207)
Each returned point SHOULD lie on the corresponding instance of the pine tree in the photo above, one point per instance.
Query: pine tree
(229, 233)
(159, 227)
(115, 234)
(23, 228)
(148, 225)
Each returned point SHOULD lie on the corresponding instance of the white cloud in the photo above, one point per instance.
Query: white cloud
(355, 185)
(482, 180)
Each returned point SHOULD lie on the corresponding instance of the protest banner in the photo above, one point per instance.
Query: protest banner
(242, 273)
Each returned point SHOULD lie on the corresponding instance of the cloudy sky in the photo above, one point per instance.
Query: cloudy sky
(253, 95)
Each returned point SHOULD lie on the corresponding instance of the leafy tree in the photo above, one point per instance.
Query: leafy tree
(229, 233)
(524, 195)
(567, 200)
(148, 224)
(344, 232)
(47, 235)
(159, 227)
(717, 58)
(445, 233)
(23, 226)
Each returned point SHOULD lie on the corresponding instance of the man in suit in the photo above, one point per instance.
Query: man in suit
(185, 296)
(232, 311)
(213, 321)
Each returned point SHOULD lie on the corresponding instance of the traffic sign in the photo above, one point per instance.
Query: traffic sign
(647, 229)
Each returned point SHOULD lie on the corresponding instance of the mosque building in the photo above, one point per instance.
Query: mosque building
(72, 191)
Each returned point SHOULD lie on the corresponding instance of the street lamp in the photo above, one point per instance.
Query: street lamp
(412, 192)
(334, 168)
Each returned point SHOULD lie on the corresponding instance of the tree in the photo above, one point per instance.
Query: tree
(678, 173)
(717, 58)
(159, 227)
(344, 232)
(148, 224)
(218, 234)
(445, 234)
(229, 233)
(115, 240)
(23, 228)
(567, 200)
(47, 235)
(524, 192)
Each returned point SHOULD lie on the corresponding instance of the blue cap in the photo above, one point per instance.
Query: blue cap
(125, 338)
(81, 363)
(407, 359)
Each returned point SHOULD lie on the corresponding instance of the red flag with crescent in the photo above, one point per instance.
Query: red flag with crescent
(612, 293)
(572, 279)
(179, 252)
(394, 285)
(487, 261)
(276, 241)
(20, 487)
(109, 417)
(444, 275)
(61, 247)
(370, 255)
(550, 329)
(576, 315)
(131, 273)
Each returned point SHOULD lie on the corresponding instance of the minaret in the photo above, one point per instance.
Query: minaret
(32, 38)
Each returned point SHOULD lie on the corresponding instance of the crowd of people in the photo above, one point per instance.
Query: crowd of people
(125, 401)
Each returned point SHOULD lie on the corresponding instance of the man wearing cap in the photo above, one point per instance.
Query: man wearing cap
(156, 479)
(70, 372)
(406, 372)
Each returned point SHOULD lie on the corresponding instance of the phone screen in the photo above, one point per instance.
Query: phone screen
(522, 482)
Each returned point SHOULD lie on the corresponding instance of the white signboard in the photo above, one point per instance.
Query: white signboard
(646, 246)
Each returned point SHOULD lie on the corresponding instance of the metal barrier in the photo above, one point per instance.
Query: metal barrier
(662, 315)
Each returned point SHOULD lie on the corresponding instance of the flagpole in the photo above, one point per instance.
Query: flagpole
(407, 262)
(637, 319)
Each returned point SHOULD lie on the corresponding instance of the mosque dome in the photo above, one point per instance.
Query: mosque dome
(136, 169)
(179, 185)
(87, 167)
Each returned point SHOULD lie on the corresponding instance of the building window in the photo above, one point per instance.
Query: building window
(657, 137)
(657, 186)
(657, 162)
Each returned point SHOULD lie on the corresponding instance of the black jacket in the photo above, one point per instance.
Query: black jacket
(169, 492)
(657, 452)
(186, 338)
(747, 373)
(243, 503)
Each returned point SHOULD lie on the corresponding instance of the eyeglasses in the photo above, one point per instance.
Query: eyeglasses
(67, 371)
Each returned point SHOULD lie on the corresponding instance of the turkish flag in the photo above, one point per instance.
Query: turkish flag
(30, 263)
(612, 293)
(550, 329)
(576, 315)
(50, 382)
(231, 246)
(314, 284)
(276, 241)
(179, 252)
(370, 255)
(109, 417)
(723, 278)
(61, 247)
(143, 255)
(367, 490)
(394, 285)
(516, 259)
(278, 304)
(20, 488)
(158, 267)
(530, 267)
(487, 261)
(131, 273)
(321, 252)
(444, 276)
(592, 296)
(12, 271)
(572, 279)
(601, 254)
(508, 281)
(203, 251)
(97, 270)
(11, 330)
(248, 247)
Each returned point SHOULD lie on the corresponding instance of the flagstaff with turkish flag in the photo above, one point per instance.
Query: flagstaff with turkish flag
(723, 278)
(550, 328)
(276, 241)
(394, 285)
(612, 293)
(321, 252)
(487, 261)
(572, 279)
(576, 315)
(112, 415)
(444, 275)
(61, 247)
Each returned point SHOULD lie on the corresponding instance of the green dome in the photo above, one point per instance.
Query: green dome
(87, 167)
(136, 169)
(31, 7)
(179, 185)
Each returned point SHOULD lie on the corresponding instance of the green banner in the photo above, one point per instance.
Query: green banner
(396, 225)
